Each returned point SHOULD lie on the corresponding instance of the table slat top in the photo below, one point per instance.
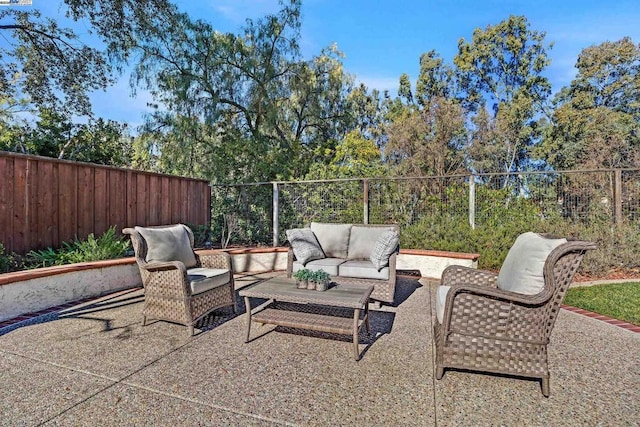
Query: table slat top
(283, 289)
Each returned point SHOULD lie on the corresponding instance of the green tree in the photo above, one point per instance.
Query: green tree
(428, 141)
(46, 65)
(596, 122)
(252, 87)
(502, 66)
(97, 141)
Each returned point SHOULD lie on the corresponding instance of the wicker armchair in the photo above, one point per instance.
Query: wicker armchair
(481, 326)
(179, 285)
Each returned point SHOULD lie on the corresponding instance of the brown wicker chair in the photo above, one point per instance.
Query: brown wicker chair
(178, 293)
(485, 328)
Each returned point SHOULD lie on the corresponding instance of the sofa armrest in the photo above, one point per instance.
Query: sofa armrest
(290, 259)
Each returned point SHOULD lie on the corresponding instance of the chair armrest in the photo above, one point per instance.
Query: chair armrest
(167, 265)
(457, 274)
(220, 260)
(290, 258)
(471, 308)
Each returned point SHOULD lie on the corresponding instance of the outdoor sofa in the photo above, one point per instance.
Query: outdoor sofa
(354, 254)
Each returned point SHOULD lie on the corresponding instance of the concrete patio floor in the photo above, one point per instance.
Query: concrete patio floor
(94, 364)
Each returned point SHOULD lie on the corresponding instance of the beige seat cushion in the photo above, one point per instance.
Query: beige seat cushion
(363, 269)
(203, 279)
(441, 298)
(362, 239)
(333, 238)
(168, 244)
(523, 268)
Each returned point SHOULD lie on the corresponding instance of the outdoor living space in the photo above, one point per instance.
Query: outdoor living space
(94, 363)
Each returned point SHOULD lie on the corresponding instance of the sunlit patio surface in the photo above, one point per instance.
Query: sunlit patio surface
(95, 364)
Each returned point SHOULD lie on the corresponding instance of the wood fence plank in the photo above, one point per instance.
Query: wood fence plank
(118, 201)
(154, 200)
(20, 212)
(68, 201)
(100, 207)
(131, 192)
(142, 198)
(46, 218)
(32, 239)
(174, 200)
(6, 204)
(165, 217)
(85, 203)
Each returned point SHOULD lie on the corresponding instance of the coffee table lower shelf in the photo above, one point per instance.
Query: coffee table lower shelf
(312, 321)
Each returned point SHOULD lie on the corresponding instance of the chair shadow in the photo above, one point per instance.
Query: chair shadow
(82, 309)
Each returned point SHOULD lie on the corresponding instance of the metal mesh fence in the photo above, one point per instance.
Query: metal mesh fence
(631, 195)
(243, 214)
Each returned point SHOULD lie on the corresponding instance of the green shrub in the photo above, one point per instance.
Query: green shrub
(8, 262)
(499, 221)
(107, 246)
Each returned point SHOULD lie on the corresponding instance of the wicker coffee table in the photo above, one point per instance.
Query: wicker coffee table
(341, 309)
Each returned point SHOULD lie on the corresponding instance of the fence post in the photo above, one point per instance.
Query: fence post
(617, 197)
(472, 202)
(276, 212)
(365, 201)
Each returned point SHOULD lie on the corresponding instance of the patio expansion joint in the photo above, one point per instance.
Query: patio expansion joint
(124, 381)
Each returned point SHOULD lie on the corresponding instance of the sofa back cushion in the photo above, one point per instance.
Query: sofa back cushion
(523, 268)
(363, 239)
(168, 244)
(333, 238)
(304, 244)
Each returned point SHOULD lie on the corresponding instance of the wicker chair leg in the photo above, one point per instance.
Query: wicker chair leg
(545, 386)
(439, 372)
(144, 320)
(190, 330)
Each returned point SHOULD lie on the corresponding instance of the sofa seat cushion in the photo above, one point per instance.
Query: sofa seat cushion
(523, 268)
(333, 238)
(330, 265)
(363, 269)
(441, 298)
(304, 244)
(204, 279)
(168, 244)
(362, 239)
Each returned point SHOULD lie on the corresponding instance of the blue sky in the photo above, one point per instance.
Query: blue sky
(383, 39)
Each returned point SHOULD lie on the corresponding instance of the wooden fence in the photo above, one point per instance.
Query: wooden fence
(44, 202)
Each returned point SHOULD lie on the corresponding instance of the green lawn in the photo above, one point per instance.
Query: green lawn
(620, 301)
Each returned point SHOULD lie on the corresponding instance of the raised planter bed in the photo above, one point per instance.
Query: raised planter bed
(34, 290)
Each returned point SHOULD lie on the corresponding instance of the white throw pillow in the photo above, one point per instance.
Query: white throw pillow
(386, 244)
(168, 244)
(304, 244)
(523, 268)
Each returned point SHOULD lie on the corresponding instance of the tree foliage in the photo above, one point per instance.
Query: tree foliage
(502, 66)
(46, 65)
(596, 122)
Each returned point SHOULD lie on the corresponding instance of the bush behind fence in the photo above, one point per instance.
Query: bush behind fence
(479, 213)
